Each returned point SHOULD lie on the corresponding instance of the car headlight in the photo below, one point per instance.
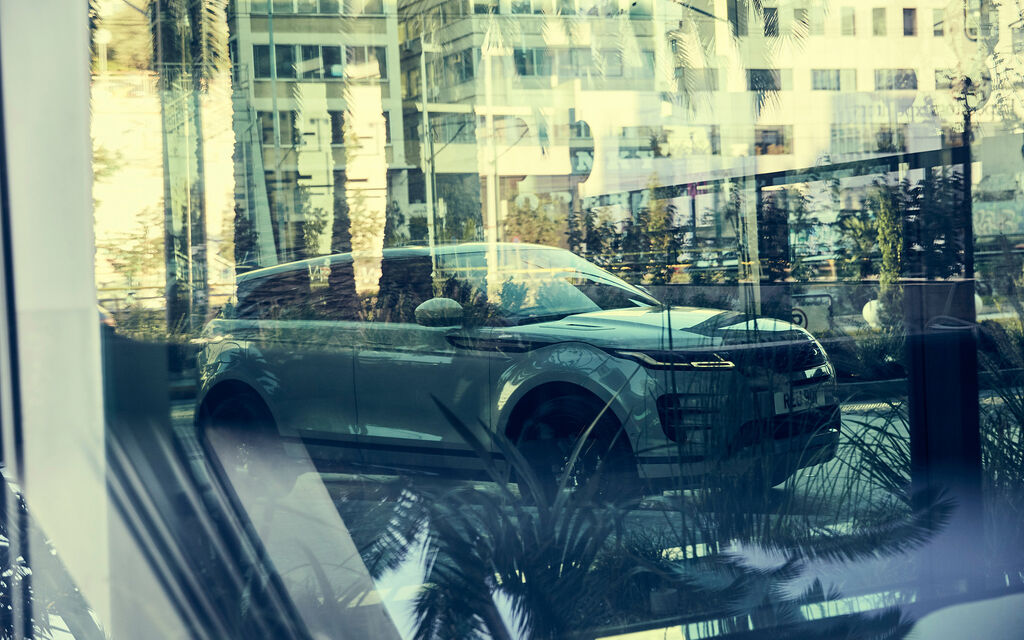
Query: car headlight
(677, 359)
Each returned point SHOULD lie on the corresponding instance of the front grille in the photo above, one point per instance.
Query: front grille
(680, 413)
(786, 426)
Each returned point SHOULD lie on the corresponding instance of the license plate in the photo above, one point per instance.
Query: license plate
(798, 399)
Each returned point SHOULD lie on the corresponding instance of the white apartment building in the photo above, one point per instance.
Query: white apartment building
(316, 86)
(595, 102)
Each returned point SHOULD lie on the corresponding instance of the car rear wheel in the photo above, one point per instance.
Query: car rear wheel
(605, 466)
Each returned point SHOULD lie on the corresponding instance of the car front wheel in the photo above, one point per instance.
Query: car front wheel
(604, 467)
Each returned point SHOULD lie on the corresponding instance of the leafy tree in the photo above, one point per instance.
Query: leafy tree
(536, 224)
(189, 44)
(395, 233)
(461, 195)
(855, 258)
(889, 224)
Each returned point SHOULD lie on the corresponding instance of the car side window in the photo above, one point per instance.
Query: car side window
(405, 283)
(280, 296)
(462, 276)
(336, 297)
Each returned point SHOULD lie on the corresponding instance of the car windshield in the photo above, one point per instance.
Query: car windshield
(534, 284)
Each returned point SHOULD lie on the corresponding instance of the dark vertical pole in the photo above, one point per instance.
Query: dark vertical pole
(943, 404)
(15, 604)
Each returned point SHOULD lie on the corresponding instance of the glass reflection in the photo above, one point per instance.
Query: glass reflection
(533, 319)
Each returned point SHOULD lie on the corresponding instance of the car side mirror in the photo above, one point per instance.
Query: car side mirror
(439, 312)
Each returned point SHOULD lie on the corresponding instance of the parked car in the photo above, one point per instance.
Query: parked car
(370, 364)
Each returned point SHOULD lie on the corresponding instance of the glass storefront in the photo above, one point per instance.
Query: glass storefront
(452, 319)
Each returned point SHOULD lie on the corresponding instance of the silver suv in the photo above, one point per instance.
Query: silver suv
(400, 363)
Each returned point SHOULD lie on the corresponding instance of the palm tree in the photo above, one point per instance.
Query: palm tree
(189, 49)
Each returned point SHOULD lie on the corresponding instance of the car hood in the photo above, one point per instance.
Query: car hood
(658, 328)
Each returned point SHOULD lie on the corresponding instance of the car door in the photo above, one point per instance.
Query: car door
(404, 371)
(301, 347)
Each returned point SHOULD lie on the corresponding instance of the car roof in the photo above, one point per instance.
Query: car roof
(389, 253)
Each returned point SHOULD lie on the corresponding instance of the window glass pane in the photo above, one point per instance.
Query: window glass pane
(285, 60)
(310, 61)
(764, 80)
(816, 25)
(938, 22)
(332, 62)
(910, 22)
(801, 21)
(848, 21)
(261, 60)
(878, 21)
(737, 14)
(825, 79)
(771, 22)
(380, 55)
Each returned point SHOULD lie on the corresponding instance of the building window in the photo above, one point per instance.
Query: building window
(285, 61)
(834, 79)
(764, 80)
(772, 141)
(309, 61)
(305, 6)
(261, 60)
(878, 21)
(521, 6)
(910, 22)
(771, 22)
(285, 54)
(737, 13)
(847, 21)
(825, 79)
(266, 120)
(895, 79)
(283, 6)
(938, 22)
(330, 6)
(485, 6)
(459, 66)
(332, 62)
(531, 62)
(337, 127)
(287, 121)
(801, 22)
(816, 21)
(363, 55)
